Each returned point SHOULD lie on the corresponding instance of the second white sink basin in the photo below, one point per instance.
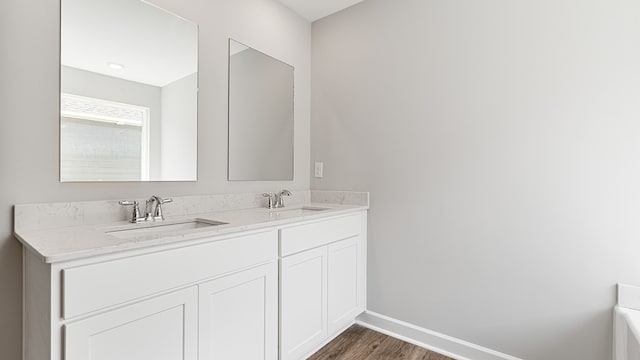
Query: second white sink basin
(160, 228)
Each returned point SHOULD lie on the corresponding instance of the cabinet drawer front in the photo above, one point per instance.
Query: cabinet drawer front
(92, 287)
(299, 238)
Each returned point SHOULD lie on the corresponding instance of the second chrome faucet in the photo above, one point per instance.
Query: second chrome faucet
(276, 201)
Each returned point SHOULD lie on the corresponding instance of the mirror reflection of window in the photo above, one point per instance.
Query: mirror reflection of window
(102, 140)
(127, 55)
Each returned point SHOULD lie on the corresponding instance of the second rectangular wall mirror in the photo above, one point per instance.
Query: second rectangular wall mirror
(261, 119)
(128, 103)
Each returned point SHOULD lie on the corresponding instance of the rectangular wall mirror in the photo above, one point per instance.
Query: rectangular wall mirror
(128, 84)
(261, 108)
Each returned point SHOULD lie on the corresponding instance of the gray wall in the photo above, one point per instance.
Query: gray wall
(86, 83)
(500, 141)
(29, 62)
(180, 129)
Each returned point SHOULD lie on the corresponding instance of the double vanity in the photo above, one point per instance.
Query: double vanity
(246, 284)
(235, 276)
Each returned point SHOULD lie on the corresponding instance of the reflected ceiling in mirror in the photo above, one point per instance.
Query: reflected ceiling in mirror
(261, 116)
(128, 84)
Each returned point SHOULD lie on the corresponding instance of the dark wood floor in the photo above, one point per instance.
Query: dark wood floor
(359, 343)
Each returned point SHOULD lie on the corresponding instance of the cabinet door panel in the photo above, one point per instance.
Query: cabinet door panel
(303, 304)
(163, 328)
(344, 277)
(239, 316)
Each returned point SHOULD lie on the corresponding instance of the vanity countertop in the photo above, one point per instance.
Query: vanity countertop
(82, 241)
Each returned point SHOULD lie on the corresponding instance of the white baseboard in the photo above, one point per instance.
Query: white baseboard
(431, 340)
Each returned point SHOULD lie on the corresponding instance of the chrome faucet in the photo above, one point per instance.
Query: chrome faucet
(279, 199)
(150, 213)
(156, 214)
(275, 201)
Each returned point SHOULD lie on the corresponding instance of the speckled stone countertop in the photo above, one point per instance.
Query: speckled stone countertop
(79, 238)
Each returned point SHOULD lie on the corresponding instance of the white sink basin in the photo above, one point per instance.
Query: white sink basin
(162, 228)
(299, 211)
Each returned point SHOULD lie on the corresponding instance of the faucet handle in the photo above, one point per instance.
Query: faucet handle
(135, 215)
(158, 214)
(270, 203)
(164, 201)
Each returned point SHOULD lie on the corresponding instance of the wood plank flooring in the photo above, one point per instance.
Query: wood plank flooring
(359, 343)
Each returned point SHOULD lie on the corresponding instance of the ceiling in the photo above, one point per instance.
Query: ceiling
(154, 46)
(313, 10)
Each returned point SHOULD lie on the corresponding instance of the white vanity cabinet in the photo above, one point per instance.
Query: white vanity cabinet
(274, 291)
(208, 300)
(322, 282)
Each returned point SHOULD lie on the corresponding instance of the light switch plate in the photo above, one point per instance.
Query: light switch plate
(319, 169)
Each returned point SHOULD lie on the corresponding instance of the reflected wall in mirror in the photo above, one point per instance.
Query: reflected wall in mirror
(260, 115)
(128, 83)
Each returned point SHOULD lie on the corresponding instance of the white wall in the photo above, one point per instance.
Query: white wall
(500, 141)
(29, 69)
(179, 160)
